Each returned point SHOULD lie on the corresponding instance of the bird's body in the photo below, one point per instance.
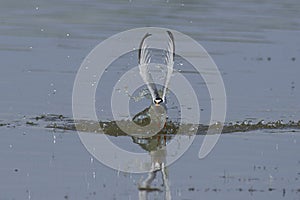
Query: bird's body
(154, 112)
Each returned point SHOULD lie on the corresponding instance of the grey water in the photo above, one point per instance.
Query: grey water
(255, 45)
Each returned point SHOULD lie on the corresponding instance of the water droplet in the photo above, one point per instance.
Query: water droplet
(42, 29)
(94, 175)
(92, 159)
(104, 125)
(37, 8)
(10, 146)
(30, 47)
(191, 129)
(68, 34)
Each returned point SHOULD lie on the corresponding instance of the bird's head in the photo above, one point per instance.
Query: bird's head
(158, 101)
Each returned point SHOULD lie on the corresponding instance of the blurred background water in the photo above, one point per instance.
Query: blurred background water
(255, 44)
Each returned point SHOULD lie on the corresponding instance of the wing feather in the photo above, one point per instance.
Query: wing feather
(144, 60)
(169, 60)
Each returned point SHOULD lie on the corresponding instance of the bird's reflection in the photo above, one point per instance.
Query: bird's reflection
(156, 146)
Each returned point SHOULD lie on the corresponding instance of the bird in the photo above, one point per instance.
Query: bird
(157, 109)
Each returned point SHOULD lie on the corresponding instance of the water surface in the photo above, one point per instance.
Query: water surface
(255, 45)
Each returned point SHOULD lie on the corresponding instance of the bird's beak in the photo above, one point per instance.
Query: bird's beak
(156, 104)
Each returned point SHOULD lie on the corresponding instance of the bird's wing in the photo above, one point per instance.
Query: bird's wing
(169, 59)
(144, 60)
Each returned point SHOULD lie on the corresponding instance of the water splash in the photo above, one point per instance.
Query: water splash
(58, 122)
